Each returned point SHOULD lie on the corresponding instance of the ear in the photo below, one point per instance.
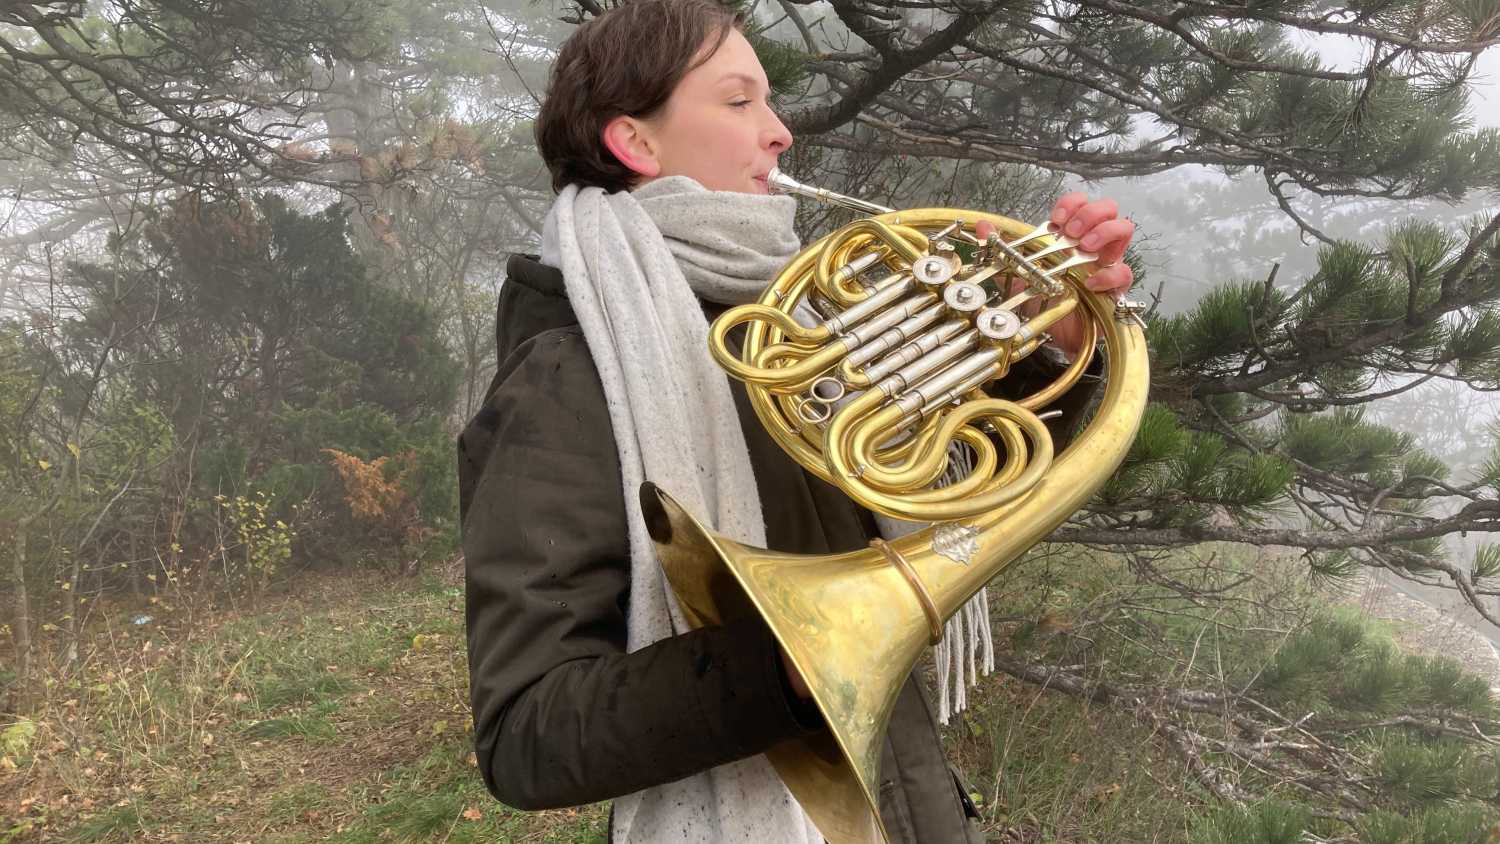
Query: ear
(625, 137)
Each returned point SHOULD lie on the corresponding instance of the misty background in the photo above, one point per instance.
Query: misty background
(1198, 227)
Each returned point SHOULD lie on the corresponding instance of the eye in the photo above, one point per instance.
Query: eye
(740, 103)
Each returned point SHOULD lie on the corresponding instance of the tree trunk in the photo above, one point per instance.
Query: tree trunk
(21, 629)
(70, 610)
(134, 575)
(354, 133)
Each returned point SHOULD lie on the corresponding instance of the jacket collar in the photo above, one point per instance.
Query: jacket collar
(530, 272)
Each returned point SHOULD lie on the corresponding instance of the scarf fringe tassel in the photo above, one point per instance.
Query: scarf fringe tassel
(967, 650)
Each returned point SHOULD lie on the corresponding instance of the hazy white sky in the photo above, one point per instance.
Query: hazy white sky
(1487, 94)
(1345, 53)
(1191, 260)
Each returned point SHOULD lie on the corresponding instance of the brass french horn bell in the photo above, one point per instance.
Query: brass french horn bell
(866, 358)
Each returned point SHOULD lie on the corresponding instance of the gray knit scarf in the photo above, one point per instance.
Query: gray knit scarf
(634, 265)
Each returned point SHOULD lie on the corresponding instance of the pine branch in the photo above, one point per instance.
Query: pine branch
(1299, 402)
(1266, 154)
(1432, 725)
(895, 62)
(1467, 256)
(1190, 747)
(1286, 208)
(795, 15)
(1379, 36)
(1173, 24)
(1084, 163)
(1449, 302)
(1478, 516)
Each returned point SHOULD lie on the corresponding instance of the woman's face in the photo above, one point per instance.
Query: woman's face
(718, 126)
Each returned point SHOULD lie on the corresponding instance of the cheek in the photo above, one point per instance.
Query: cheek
(718, 140)
(740, 145)
(717, 150)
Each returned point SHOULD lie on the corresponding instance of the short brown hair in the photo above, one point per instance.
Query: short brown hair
(624, 62)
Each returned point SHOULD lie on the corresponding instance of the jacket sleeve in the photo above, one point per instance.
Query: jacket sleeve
(562, 715)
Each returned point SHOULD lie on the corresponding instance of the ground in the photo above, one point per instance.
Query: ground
(335, 709)
(337, 712)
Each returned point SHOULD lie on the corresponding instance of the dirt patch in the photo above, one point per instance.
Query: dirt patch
(1420, 627)
(451, 571)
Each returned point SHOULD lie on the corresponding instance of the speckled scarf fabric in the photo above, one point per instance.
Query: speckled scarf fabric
(635, 265)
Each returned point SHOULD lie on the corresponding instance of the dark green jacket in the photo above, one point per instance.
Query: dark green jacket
(562, 714)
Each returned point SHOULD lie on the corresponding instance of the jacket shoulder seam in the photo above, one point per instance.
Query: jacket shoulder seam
(524, 349)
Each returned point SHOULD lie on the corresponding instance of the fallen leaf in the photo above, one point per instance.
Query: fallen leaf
(473, 814)
(1104, 792)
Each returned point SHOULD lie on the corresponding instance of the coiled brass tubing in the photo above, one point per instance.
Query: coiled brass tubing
(875, 373)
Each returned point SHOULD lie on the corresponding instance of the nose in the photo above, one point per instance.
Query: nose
(775, 136)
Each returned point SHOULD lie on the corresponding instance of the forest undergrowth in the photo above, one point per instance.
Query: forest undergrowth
(336, 710)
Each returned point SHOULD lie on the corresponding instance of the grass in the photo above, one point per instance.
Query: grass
(1050, 768)
(338, 712)
(1044, 766)
(342, 717)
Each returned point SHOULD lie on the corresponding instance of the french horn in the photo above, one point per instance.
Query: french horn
(866, 358)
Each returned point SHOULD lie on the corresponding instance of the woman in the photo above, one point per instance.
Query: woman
(586, 684)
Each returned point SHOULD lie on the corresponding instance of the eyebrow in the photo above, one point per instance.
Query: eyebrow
(740, 77)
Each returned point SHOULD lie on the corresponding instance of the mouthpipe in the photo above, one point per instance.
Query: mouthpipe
(782, 183)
